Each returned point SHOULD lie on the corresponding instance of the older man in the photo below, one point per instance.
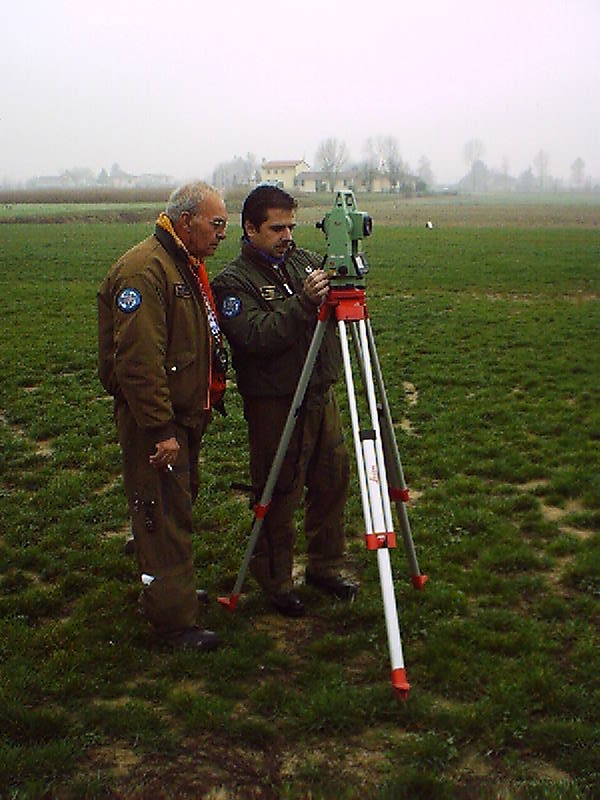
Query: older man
(161, 358)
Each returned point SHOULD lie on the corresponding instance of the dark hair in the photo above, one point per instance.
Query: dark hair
(260, 200)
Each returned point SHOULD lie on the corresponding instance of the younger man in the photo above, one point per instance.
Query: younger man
(268, 300)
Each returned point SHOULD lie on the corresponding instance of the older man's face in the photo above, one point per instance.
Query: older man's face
(205, 230)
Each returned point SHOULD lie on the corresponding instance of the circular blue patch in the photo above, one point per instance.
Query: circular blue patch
(128, 300)
(231, 307)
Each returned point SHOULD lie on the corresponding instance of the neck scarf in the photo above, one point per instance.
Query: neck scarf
(274, 262)
(217, 376)
(199, 269)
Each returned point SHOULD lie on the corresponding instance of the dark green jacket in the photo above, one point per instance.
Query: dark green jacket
(269, 323)
(153, 337)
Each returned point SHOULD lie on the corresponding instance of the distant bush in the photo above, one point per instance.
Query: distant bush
(92, 194)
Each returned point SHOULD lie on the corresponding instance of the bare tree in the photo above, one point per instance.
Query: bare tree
(424, 171)
(578, 172)
(373, 161)
(505, 172)
(540, 162)
(473, 151)
(526, 181)
(237, 172)
(331, 158)
(392, 162)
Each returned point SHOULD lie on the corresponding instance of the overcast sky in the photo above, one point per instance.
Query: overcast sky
(177, 87)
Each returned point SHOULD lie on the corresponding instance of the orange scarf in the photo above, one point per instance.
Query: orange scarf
(217, 378)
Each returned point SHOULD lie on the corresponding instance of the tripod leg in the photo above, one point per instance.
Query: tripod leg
(375, 501)
(398, 488)
(262, 507)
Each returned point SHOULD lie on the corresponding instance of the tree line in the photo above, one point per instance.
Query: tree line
(537, 176)
(381, 166)
(381, 159)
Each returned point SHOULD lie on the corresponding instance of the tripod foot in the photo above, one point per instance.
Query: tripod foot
(229, 602)
(419, 581)
(399, 684)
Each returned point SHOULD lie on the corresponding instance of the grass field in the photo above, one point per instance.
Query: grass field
(488, 331)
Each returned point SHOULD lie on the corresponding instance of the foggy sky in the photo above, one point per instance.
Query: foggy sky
(178, 87)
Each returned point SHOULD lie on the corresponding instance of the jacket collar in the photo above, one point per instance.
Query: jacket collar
(169, 243)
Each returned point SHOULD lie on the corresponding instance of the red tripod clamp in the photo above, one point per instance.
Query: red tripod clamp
(350, 305)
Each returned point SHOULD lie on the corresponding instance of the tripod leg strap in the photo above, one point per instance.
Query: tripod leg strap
(261, 511)
(398, 495)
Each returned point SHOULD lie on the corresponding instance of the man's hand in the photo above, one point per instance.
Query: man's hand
(166, 453)
(316, 286)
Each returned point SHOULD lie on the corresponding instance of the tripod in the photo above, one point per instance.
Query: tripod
(377, 457)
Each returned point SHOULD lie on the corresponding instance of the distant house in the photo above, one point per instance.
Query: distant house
(282, 173)
(374, 183)
(152, 180)
(311, 182)
(321, 181)
(83, 178)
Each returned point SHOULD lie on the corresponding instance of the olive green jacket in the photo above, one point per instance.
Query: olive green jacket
(154, 344)
(269, 323)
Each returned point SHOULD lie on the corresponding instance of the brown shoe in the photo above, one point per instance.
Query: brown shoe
(334, 585)
(193, 638)
(288, 604)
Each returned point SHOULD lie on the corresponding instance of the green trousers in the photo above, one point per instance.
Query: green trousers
(317, 460)
(160, 504)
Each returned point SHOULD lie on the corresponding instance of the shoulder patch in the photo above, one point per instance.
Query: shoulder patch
(231, 306)
(128, 300)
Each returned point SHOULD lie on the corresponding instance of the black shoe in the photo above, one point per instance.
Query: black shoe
(288, 603)
(130, 547)
(192, 639)
(334, 585)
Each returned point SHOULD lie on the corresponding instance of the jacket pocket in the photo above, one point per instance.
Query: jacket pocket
(185, 381)
(178, 362)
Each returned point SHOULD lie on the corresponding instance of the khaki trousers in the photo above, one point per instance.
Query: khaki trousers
(160, 504)
(317, 460)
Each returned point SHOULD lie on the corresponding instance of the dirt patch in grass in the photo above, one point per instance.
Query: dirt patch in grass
(411, 393)
(203, 767)
(556, 514)
(42, 448)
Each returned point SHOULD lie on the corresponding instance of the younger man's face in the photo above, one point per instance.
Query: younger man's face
(274, 236)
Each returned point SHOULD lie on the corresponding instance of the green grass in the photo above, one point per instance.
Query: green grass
(488, 338)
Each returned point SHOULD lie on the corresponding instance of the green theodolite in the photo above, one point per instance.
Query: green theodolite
(344, 227)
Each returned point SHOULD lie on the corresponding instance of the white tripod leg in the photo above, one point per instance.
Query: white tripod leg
(375, 501)
(398, 490)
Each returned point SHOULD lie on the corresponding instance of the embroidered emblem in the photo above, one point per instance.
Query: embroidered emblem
(181, 290)
(128, 300)
(231, 307)
(269, 292)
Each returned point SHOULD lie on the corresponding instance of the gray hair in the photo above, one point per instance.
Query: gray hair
(187, 198)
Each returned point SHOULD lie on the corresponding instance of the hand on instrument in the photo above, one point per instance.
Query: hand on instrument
(316, 286)
(166, 454)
